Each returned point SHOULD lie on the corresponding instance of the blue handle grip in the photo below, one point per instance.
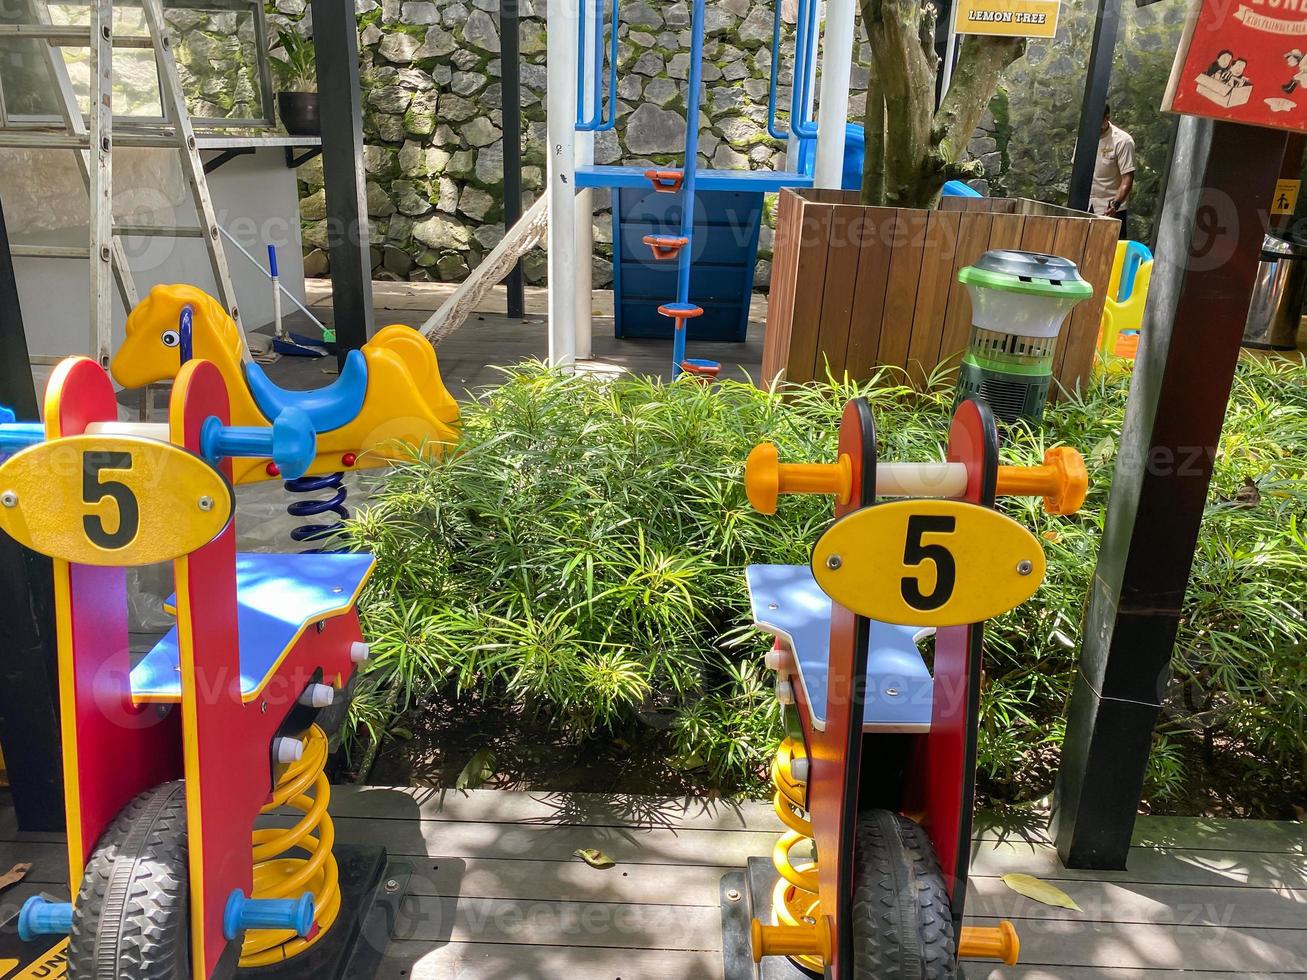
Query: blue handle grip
(291, 442)
(19, 435)
(41, 917)
(241, 913)
(272, 261)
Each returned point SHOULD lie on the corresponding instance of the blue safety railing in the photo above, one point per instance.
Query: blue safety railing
(597, 123)
(800, 91)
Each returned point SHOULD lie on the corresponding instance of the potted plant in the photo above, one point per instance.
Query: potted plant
(297, 76)
(870, 278)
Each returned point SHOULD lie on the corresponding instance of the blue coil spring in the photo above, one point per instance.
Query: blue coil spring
(333, 505)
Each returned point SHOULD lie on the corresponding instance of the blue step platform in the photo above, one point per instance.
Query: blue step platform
(788, 603)
(278, 597)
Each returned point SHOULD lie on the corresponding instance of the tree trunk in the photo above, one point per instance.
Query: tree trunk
(912, 149)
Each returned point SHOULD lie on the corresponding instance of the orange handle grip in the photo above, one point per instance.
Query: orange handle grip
(665, 181)
(1062, 481)
(998, 942)
(766, 477)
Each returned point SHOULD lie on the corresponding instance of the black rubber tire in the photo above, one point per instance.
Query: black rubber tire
(902, 922)
(132, 920)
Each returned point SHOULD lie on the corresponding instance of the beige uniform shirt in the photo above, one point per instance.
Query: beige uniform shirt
(1116, 158)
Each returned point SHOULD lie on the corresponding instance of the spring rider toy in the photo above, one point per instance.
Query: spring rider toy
(878, 768)
(168, 762)
(389, 396)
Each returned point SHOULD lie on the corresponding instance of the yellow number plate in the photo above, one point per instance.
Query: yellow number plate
(928, 563)
(112, 500)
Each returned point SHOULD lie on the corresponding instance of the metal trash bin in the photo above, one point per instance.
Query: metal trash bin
(1276, 306)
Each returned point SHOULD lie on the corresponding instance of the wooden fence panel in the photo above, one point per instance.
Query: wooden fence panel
(854, 287)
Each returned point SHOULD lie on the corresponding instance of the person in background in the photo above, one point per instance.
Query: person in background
(1114, 171)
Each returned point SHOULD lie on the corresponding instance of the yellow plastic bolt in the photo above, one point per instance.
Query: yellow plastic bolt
(1062, 481)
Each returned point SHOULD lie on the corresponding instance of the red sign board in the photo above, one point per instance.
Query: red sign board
(1245, 61)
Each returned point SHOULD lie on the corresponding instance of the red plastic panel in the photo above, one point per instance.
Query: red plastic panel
(112, 750)
(227, 742)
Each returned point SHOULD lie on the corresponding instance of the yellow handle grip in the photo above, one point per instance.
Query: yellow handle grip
(801, 940)
(1062, 481)
(766, 477)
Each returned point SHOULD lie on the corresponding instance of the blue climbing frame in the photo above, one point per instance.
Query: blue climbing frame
(723, 207)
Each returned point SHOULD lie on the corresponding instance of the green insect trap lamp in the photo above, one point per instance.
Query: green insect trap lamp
(1019, 301)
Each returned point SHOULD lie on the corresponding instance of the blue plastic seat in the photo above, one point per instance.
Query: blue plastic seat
(788, 603)
(328, 408)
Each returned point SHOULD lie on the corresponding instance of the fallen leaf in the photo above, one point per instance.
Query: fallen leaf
(1052, 536)
(478, 769)
(1040, 891)
(594, 858)
(1299, 812)
(14, 875)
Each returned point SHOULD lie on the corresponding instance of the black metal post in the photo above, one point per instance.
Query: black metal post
(511, 61)
(1222, 179)
(1097, 76)
(29, 722)
(335, 36)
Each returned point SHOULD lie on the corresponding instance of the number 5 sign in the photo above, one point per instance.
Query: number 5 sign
(112, 500)
(928, 563)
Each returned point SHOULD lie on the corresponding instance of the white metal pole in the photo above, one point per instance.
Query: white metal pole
(833, 109)
(584, 201)
(561, 56)
(950, 56)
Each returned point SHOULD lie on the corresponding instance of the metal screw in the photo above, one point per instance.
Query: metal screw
(105, 254)
(1025, 566)
(891, 692)
(834, 562)
(772, 605)
(322, 625)
(206, 503)
(733, 895)
(337, 590)
(392, 885)
(9, 498)
(263, 708)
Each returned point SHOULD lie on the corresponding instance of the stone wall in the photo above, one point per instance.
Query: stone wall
(431, 91)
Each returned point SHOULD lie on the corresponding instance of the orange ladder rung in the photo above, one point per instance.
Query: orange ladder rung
(665, 246)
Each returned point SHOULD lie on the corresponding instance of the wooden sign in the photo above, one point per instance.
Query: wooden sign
(1243, 61)
(115, 501)
(928, 563)
(1007, 18)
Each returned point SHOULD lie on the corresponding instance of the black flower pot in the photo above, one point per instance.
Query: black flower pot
(299, 113)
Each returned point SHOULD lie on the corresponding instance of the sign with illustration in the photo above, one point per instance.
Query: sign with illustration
(1006, 18)
(1244, 61)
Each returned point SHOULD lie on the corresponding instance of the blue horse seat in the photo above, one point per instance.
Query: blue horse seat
(788, 603)
(328, 408)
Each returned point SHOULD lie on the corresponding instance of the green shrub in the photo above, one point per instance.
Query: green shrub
(581, 557)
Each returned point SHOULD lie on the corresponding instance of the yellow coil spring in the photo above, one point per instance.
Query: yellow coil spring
(303, 787)
(794, 899)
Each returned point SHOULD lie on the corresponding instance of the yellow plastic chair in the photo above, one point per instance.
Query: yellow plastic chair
(1127, 292)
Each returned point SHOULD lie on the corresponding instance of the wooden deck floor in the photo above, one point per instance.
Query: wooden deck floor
(497, 894)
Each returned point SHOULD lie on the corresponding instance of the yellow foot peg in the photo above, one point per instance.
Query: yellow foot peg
(800, 940)
(998, 942)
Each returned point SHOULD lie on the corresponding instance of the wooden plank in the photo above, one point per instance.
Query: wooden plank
(1176, 865)
(987, 971)
(562, 923)
(668, 884)
(843, 244)
(1039, 234)
(901, 287)
(1075, 357)
(1190, 833)
(587, 809)
(506, 961)
(545, 843)
(780, 306)
(810, 282)
(1005, 231)
(866, 322)
(1169, 947)
(1070, 244)
(1185, 905)
(938, 256)
(973, 242)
